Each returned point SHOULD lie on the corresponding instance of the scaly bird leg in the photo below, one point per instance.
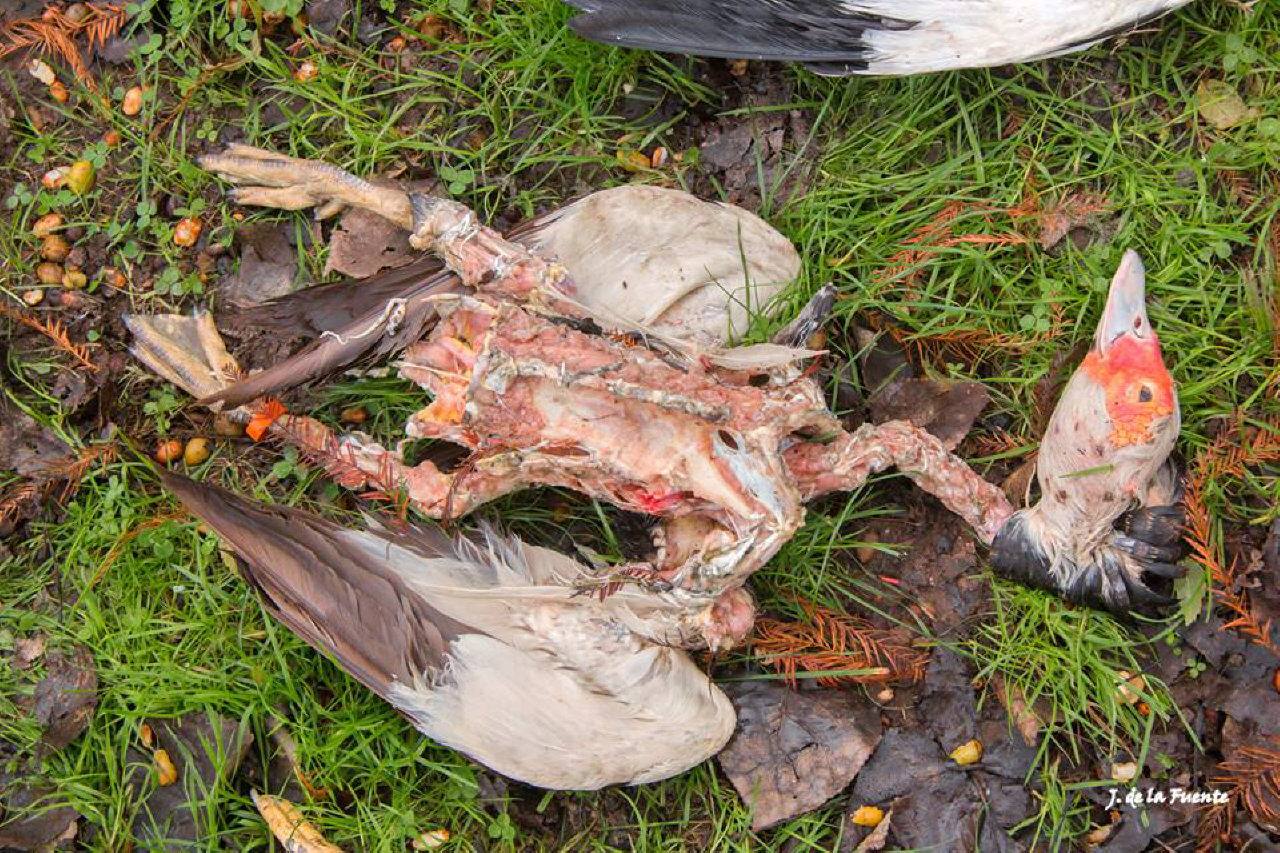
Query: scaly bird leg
(187, 351)
(267, 179)
(481, 256)
(846, 462)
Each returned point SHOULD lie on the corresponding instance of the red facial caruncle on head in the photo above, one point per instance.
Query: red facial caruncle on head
(1138, 389)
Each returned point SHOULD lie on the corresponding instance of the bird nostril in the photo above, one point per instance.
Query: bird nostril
(727, 439)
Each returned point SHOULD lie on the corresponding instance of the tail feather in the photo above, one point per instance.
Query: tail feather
(328, 586)
(810, 31)
(320, 308)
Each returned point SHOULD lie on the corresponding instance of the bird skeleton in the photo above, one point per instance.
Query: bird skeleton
(545, 382)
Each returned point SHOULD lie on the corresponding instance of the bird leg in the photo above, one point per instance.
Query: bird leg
(848, 460)
(187, 351)
(479, 255)
(267, 179)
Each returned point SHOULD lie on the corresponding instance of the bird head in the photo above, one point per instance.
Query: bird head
(1105, 445)
(1118, 417)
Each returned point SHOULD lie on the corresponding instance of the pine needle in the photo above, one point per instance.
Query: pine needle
(43, 486)
(54, 32)
(1251, 777)
(54, 331)
(1227, 457)
(835, 643)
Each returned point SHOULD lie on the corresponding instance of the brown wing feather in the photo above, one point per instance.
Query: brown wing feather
(321, 307)
(338, 597)
(366, 336)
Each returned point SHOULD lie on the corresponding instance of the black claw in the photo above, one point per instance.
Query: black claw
(1157, 525)
(1146, 551)
(1116, 581)
(1164, 570)
(1142, 595)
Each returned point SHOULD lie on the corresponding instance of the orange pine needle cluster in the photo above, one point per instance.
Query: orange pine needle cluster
(55, 32)
(965, 346)
(54, 331)
(940, 233)
(1050, 221)
(1227, 457)
(833, 642)
(1242, 189)
(993, 443)
(1251, 777)
(69, 472)
(1053, 221)
(15, 500)
(128, 536)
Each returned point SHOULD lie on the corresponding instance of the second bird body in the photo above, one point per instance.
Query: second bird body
(889, 37)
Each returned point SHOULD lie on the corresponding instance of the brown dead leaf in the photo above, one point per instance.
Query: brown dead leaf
(364, 243)
(268, 264)
(205, 750)
(28, 650)
(26, 820)
(878, 836)
(64, 699)
(945, 408)
(26, 447)
(937, 805)
(793, 751)
(882, 361)
(296, 833)
(1220, 105)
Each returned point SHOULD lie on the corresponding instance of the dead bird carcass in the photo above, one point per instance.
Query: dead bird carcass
(539, 370)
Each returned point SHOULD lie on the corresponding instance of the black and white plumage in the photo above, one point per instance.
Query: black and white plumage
(889, 37)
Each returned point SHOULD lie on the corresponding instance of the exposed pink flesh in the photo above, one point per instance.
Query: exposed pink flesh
(718, 456)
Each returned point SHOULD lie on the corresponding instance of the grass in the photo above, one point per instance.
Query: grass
(516, 117)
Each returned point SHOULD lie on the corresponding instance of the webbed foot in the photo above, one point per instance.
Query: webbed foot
(185, 350)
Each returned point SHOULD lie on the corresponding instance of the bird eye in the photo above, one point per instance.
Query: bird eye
(1144, 394)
